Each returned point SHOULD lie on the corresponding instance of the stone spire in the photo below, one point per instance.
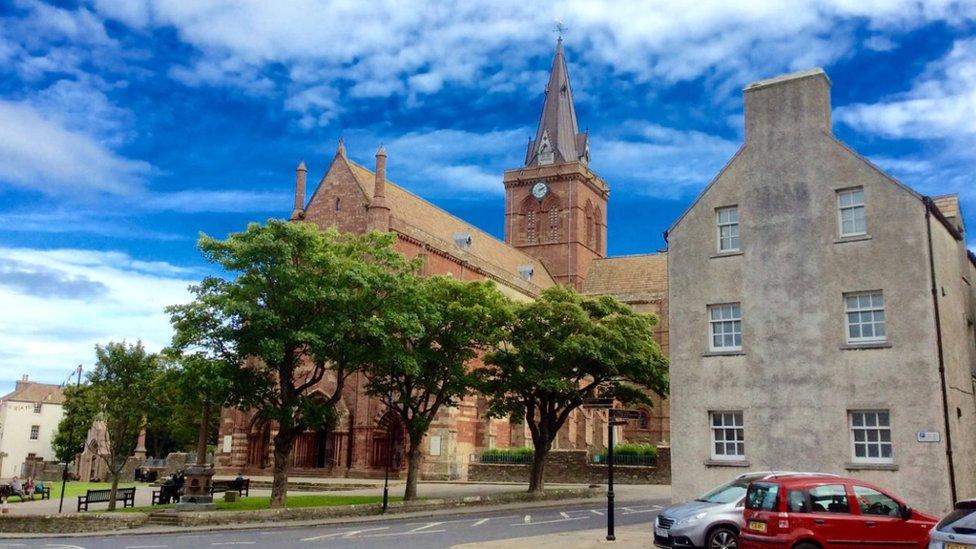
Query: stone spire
(300, 173)
(379, 210)
(558, 138)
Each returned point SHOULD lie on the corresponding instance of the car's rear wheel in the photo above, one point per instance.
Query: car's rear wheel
(722, 538)
(806, 546)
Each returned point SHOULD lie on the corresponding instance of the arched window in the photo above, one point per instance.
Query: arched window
(588, 210)
(553, 225)
(598, 230)
(337, 203)
(535, 213)
(531, 227)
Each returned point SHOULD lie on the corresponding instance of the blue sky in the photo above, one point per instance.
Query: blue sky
(127, 127)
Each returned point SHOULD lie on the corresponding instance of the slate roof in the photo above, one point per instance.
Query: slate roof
(29, 391)
(419, 219)
(559, 117)
(631, 278)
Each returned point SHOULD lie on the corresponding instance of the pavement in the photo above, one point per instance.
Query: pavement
(537, 525)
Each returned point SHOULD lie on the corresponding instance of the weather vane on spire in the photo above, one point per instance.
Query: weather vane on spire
(560, 28)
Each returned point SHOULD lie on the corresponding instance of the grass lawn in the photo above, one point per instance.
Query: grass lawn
(75, 488)
(294, 502)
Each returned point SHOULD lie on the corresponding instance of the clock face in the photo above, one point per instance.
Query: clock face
(540, 190)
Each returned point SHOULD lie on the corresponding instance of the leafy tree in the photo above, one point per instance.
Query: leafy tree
(79, 414)
(561, 349)
(117, 390)
(433, 328)
(302, 302)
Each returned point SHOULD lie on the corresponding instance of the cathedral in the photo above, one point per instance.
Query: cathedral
(555, 233)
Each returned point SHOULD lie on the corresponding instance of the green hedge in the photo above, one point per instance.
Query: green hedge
(521, 451)
(635, 450)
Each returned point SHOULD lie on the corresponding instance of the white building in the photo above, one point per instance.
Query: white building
(29, 417)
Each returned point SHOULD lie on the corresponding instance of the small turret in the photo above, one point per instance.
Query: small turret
(300, 174)
(379, 210)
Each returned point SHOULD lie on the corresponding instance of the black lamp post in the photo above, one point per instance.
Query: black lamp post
(71, 441)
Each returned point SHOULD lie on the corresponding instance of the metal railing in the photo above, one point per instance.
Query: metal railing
(645, 461)
(506, 459)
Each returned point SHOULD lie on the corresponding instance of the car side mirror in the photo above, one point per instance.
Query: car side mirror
(905, 512)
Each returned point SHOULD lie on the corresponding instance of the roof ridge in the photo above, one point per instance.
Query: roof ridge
(445, 212)
(631, 256)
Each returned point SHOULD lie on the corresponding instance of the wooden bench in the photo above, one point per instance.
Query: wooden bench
(126, 495)
(44, 492)
(242, 486)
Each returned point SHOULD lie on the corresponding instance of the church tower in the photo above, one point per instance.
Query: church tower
(555, 207)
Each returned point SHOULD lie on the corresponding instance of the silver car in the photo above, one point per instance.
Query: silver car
(712, 521)
(957, 530)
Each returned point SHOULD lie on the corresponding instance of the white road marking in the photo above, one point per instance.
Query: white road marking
(658, 507)
(233, 543)
(527, 519)
(564, 515)
(595, 512)
(480, 522)
(551, 521)
(640, 511)
(346, 534)
(428, 525)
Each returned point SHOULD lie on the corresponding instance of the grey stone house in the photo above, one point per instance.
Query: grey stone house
(821, 315)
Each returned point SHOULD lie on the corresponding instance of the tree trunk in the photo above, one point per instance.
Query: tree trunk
(115, 491)
(537, 472)
(413, 470)
(282, 454)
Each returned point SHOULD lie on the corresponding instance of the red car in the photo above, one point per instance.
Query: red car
(815, 512)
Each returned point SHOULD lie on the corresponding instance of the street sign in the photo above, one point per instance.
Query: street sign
(625, 414)
(598, 403)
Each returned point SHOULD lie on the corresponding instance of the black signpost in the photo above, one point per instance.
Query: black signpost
(616, 417)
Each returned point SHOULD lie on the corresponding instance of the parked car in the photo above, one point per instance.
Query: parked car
(810, 512)
(957, 530)
(712, 521)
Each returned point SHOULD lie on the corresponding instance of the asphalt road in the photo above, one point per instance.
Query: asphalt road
(440, 531)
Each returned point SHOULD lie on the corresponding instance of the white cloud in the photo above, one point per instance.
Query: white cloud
(658, 161)
(940, 104)
(45, 333)
(39, 152)
(386, 47)
(199, 201)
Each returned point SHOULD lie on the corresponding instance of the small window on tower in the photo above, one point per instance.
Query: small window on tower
(338, 204)
(531, 227)
(553, 225)
(545, 151)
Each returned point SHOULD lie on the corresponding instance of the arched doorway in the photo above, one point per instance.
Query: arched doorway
(388, 446)
(258, 443)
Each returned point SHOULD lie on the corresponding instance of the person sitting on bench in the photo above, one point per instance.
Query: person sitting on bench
(17, 488)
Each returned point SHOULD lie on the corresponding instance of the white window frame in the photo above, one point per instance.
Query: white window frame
(733, 227)
(879, 431)
(37, 407)
(853, 207)
(734, 320)
(738, 439)
(35, 432)
(871, 308)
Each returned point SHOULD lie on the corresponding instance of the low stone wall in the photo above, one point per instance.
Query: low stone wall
(64, 524)
(574, 466)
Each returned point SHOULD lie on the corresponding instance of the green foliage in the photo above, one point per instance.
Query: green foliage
(520, 451)
(300, 301)
(118, 388)
(79, 413)
(563, 348)
(634, 449)
(432, 328)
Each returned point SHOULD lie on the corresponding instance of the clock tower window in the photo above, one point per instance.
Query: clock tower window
(553, 225)
(531, 227)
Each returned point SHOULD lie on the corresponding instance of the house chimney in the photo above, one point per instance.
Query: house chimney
(300, 172)
(792, 103)
(24, 380)
(379, 211)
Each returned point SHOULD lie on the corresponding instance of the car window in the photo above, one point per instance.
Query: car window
(797, 502)
(831, 498)
(762, 496)
(873, 502)
(965, 518)
(727, 493)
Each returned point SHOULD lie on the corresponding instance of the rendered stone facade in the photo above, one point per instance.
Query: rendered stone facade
(551, 237)
(29, 418)
(803, 389)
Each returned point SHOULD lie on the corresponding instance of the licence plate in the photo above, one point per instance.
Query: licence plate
(958, 546)
(661, 532)
(757, 526)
